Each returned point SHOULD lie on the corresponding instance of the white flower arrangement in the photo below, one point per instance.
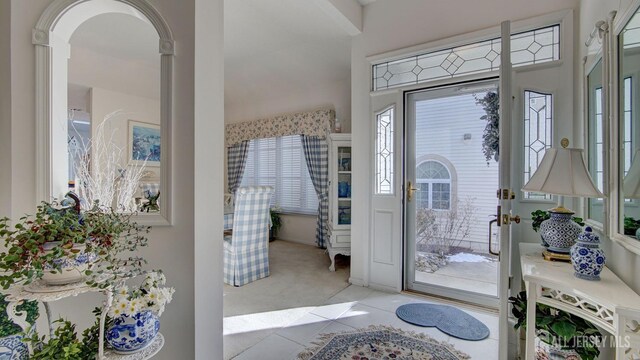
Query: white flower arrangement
(151, 295)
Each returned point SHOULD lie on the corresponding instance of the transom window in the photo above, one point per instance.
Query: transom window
(434, 184)
(529, 47)
(280, 162)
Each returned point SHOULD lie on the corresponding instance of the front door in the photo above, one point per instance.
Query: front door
(452, 173)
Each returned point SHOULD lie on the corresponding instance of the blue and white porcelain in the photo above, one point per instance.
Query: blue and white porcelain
(130, 334)
(12, 348)
(587, 257)
(560, 232)
(72, 268)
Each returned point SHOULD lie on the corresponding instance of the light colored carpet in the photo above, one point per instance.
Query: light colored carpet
(300, 277)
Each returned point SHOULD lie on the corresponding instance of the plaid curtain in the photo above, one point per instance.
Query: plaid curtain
(316, 155)
(236, 160)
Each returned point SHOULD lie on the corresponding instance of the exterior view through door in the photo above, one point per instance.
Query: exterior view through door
(452, 176)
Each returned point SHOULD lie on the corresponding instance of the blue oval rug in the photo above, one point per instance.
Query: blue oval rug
(448, 319)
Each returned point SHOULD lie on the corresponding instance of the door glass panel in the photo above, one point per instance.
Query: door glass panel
(454, 192)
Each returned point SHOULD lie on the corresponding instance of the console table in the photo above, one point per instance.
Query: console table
(609, 303)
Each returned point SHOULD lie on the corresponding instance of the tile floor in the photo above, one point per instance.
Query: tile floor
(281, 335)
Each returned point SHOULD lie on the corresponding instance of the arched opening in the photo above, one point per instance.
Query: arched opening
(52, 36)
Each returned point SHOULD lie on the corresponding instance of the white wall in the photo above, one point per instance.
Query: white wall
(5, 107)
(171, 248)
(298, 228)
(335, 94)
(90, 68)
(129, 107)
(623, 262)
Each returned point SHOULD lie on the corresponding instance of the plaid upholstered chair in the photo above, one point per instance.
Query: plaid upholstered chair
(246, 251)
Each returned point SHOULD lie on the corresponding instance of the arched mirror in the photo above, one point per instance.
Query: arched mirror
(595, 102)
(104, 105)
(628, 105)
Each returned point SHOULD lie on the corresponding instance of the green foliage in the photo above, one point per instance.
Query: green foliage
(491, 135)
(276, 221)
(539, 216)
(65, 344)
(554, 326)
(8, 327)
(631, 225)
(101, 230)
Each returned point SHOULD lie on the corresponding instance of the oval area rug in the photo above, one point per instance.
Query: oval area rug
(448, 319)
(380, 342)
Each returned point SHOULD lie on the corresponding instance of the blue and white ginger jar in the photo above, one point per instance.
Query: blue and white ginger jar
(130, 334)
(587, 257)
(560, 231)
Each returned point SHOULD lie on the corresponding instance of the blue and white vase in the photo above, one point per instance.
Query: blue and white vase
(72, 268)
(560, 232)
(587, 257)
(130, 334)
(12, 348)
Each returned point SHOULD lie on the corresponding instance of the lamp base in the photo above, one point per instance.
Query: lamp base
(553, 256)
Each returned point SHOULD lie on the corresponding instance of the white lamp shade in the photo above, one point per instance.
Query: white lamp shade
(563, 172)
(631, 186)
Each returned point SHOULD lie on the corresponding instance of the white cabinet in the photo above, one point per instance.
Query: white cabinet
(339, 196)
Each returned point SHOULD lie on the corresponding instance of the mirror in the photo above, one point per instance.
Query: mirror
(595, 110)
(104, 105)
(629, 127)
(114, 113)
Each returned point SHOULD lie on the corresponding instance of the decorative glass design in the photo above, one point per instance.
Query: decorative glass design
(530, 47)
(434, 182)
(384, 152)
(538, 118)
(628, 128)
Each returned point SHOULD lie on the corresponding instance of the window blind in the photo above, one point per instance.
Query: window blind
(280, 162)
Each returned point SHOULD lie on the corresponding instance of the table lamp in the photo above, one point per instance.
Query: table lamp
(561, 172)
(631, 185)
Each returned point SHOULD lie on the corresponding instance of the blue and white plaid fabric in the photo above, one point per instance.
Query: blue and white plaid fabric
(236, 160)
(246, 251)
(316, 154)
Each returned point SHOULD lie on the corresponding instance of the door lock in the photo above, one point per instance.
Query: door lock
(410, 190)
(507, 219)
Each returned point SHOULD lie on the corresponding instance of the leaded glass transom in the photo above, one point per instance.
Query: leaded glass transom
(530, 47)
(538, 118)
(384, 152)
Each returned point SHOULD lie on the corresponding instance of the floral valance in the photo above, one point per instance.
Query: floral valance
(313, 123)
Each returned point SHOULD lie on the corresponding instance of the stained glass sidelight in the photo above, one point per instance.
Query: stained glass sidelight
(530, 47)
(599, 140)
(538, 122)
(384, 152)
(628, 115)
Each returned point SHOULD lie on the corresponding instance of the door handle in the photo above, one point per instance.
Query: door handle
(491, 235)
(410, 190)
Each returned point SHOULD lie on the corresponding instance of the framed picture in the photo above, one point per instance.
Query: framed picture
(144, 143)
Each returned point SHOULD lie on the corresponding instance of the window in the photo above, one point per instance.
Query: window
(529, 47)
(599, 140)
(538, 122)
(384, 152)
(280, 162)
(434, 184)
(628, 131)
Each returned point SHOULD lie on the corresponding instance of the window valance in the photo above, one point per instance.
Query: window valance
(313, 123)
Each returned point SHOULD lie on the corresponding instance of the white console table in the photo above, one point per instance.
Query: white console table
(609, 303)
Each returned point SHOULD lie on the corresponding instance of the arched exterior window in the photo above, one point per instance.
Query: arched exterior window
(434, 181)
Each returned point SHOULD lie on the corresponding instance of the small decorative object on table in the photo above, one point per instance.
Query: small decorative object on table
(587, 257)
(562, 172)
(135, 314)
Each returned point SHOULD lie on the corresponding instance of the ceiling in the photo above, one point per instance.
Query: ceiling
(119, 35)
(279, 47)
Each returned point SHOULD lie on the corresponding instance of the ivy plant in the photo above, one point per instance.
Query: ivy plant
(491, 135)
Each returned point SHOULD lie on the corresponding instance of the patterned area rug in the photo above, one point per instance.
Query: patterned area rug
(380, 343)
